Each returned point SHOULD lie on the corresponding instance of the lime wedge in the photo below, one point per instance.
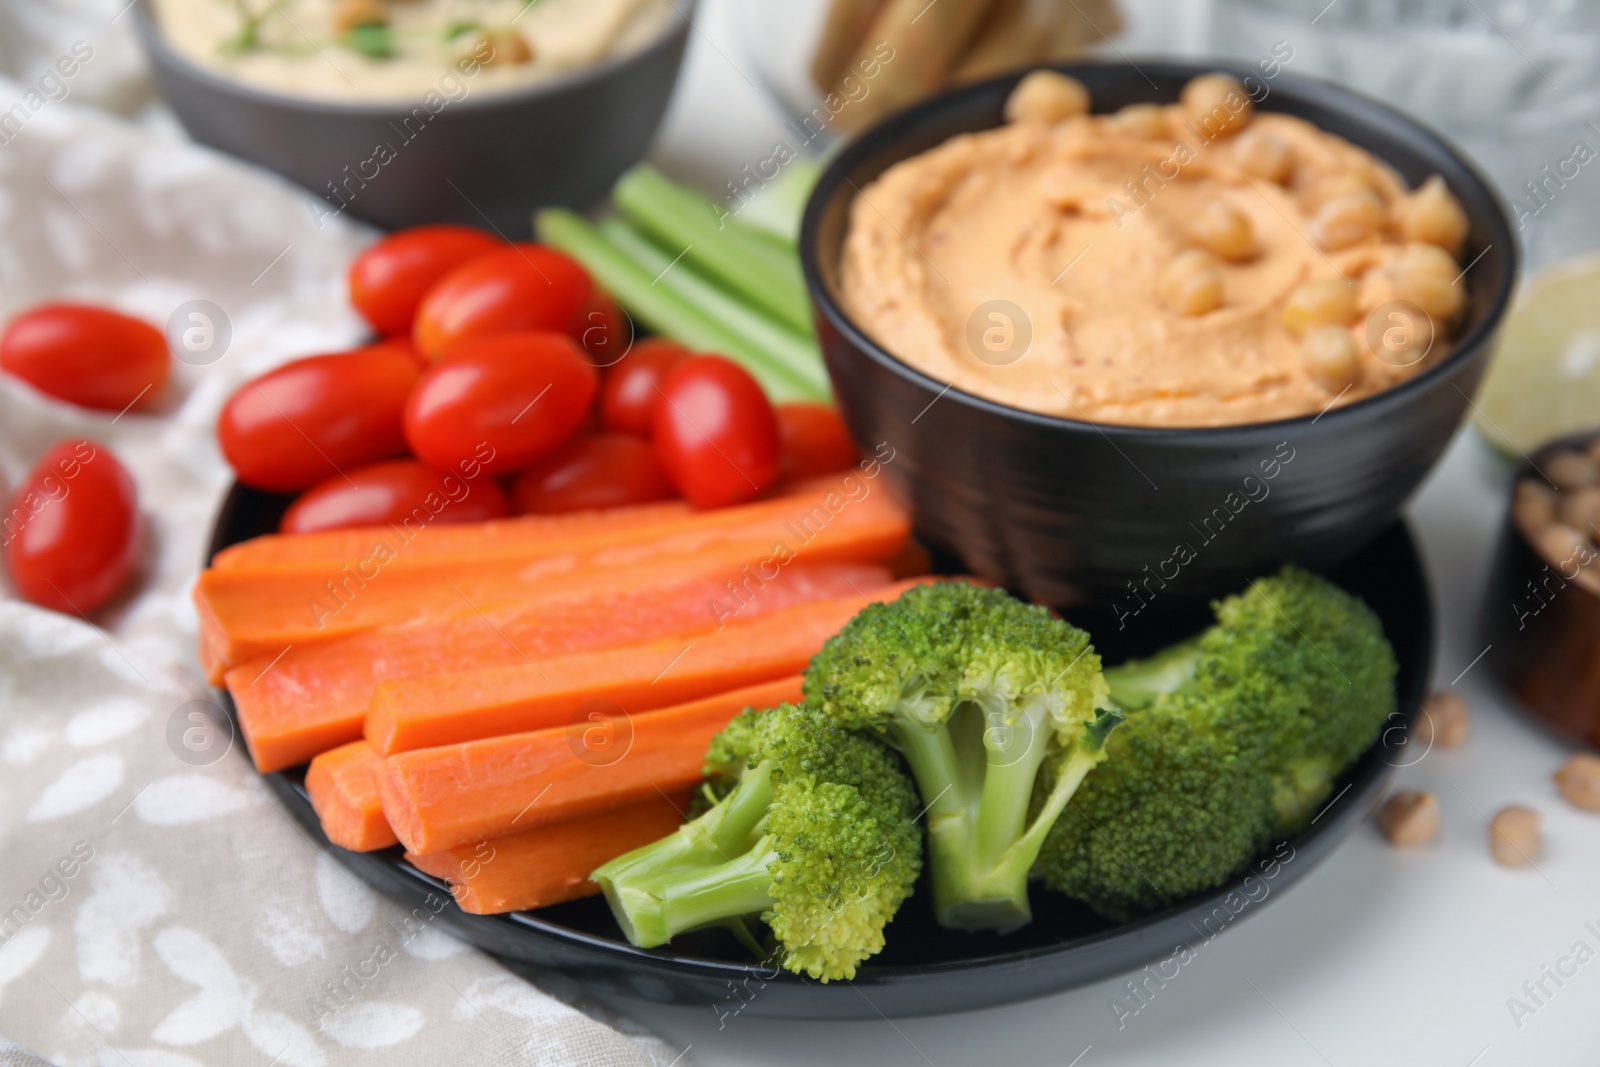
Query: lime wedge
(1544, 380)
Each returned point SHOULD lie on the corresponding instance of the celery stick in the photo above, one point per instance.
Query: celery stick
(798, 355)
(660, 308)
(776, 209)
(716, 243)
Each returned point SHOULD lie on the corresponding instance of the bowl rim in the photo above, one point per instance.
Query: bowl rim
(162, 53)
(1358, 107)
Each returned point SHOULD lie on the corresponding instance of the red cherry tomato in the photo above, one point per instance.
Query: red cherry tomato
(813, 440)
(389, 279)
(523, 287)
(71, 531)
(394, 492)
(608, 470)
(401, 345)
(89, 356)
(631, 391)
(503, 400)
(311, 419)
(715, 432)
(604, 330)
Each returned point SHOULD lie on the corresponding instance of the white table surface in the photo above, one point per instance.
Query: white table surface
(1379, 956)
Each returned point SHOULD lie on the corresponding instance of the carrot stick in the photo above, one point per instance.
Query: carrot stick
(437, 538)
(518, 535)
(315, 696)
(448, 709)
(250, 613)
(454, 795)
(344, 793)
(537, 868)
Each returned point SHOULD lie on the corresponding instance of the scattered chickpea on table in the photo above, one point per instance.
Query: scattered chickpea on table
(1578, 781)
(1445, 720)
(1409, 818)
(1514, 837)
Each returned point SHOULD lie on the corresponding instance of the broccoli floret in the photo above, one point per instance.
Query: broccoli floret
(1233, 739)
(979, 692)
(811, 828)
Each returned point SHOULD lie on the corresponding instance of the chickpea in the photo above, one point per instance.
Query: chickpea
(1409, 818)
(1348, 219)
(1046, 96)
(1324, 187)
(1514, 836)
(1428, 277)
(1264, 154)
(1431, 215)
(507, 48)
(1571, 470)
(1445, 720)
(1331, 357)
(352, 14)
(1579, 781)
(1146, 121)
(1581, 509)
(1224, 230)
(1192, 284)
(1319, 302)
(1400, 337)
(1533, 505)
(1218, 104)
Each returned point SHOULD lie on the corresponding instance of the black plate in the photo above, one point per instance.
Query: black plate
(925, 969)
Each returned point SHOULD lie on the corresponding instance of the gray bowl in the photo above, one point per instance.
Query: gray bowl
(484, 159)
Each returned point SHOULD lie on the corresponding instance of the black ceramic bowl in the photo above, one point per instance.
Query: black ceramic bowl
(923, 969)
(1070, 512)
(482, 158)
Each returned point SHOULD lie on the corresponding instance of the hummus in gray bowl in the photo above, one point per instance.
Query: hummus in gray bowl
(404, 112)
(370, 50)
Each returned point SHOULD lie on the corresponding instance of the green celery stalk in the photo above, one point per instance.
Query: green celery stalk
(662, 309)
(796, 355)
(718, 244)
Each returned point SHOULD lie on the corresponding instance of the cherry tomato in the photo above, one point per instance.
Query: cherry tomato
(715, 432)
(504, 400)
(523, 287)
(89, 356)
(394, 492)
(389, 279)
(608, 470)
(631, 391)
(310, 419)
(403, 345)
(71, 532)
(813, 440)
(604, 330)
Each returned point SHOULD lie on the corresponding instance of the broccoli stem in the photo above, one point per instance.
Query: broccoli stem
(981, 845)
(653, 913)
(1136, 683)
(711, 870)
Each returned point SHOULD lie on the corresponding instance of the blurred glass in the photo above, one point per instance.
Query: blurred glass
(1515, 82)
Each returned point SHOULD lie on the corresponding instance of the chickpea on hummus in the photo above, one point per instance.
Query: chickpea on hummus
(1194, 264)
(399, 49)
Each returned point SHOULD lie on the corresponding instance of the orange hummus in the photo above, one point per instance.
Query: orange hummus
(1074, 224)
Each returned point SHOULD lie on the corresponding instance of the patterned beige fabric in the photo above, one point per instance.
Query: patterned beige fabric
(159, 909)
